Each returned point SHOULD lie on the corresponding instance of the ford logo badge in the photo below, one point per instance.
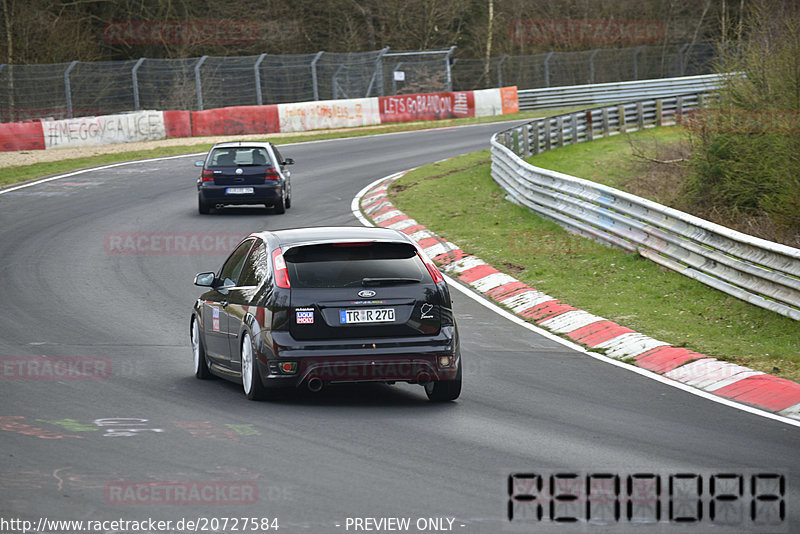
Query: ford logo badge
(367, 293)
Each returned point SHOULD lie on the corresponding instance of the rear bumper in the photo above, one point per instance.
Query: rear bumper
(217, 194)
(416, 360)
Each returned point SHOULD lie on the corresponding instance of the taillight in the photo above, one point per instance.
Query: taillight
(207, 176)
(435, 274)
(281, 273)
(271, 174)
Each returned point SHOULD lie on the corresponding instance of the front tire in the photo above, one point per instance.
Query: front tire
(251, 380)
(444, 390)
(199, 353)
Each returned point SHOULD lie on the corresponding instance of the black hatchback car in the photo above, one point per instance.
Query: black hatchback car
(244, 172)
(312, 307)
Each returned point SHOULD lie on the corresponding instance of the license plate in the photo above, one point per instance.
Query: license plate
(239, 191)
(375, 315)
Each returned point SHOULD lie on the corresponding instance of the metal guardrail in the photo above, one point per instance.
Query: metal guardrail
(606, 93)
(758, 271)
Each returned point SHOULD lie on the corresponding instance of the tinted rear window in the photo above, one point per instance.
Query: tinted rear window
(239, 156)
(346, 265)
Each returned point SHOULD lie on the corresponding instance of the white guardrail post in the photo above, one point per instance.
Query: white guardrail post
(758, 271)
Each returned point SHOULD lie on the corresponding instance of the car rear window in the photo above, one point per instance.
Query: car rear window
(239, 156)
(348, 264)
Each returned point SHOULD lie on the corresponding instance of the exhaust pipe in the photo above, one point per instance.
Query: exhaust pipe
(315, 384)
(219, 206)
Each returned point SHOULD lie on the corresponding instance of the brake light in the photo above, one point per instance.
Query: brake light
(432, 269)
(207, 176)
(353, 245)
(271, 174)
(281, 273)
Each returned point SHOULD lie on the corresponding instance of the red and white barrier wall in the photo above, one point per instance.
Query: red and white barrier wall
(276, 118)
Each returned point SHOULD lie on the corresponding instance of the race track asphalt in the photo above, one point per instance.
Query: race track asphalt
(75, 448)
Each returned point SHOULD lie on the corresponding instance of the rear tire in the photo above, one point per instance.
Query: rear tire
(280, 206)
(444, 390)
(199, 353)
(202, 207)
(251, 380)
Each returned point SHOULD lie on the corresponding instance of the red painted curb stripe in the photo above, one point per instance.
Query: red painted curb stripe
(412, 229)
(383, 210)
(429, 242)
(389, 222)
(507, 291)
(765, 391)
(547, 310)
(451, 256)
(476, 273)
(665, 359)
(593, 334)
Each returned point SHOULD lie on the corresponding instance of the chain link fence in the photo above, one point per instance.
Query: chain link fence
(79, 88)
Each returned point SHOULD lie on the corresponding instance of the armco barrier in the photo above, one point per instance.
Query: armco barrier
(326, 114)
(235, 121)
(300, 117)
(178, 123)
(105, 130)
(426, 107)
(606, 93)
(761, 272)
(21, 136)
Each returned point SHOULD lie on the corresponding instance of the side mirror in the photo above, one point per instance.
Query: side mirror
(204, 280)
(199, 163)
(288, 161)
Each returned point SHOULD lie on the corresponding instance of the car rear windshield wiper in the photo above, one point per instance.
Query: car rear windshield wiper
(388, 281)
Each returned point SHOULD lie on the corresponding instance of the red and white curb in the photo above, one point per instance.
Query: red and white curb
(722, 379)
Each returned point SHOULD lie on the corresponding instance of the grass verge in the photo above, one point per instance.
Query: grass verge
(458, 200)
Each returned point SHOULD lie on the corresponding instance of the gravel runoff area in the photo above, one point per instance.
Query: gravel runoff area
(29, 157)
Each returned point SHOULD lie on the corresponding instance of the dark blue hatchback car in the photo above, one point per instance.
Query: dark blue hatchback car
(244, 172)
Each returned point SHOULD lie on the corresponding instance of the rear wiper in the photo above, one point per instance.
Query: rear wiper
(388, 281)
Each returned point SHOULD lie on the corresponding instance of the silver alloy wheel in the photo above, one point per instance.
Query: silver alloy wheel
(247, 365)
(196, 345)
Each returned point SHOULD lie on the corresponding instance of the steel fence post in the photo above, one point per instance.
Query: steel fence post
(591, 65)
(197, 84)
(636, 62)
(680, 58)
(314, 74)
(11, 99)
(546, 65)
(257, 75)
(67, 89)
(135, 82)
(500, 71)
(448, 72)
